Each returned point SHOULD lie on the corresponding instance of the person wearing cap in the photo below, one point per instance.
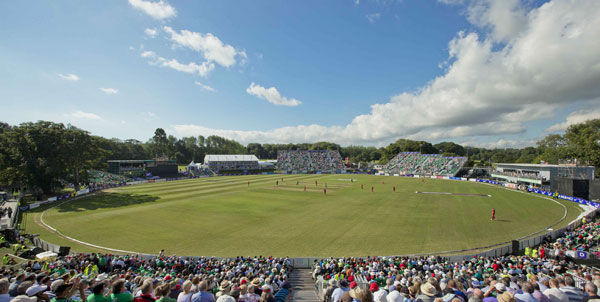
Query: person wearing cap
(338, 292)
(120, 293)
(495, 289)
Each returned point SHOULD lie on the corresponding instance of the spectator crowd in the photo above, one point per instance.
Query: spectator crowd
(415, 163)
(309, 161)
(428, 279)
(108, 278)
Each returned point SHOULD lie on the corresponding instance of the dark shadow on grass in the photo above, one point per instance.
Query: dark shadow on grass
(101, 200)
(502, 220)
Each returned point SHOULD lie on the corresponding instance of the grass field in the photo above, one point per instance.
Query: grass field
(223, 216)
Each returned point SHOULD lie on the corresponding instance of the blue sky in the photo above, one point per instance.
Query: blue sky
(483, 73)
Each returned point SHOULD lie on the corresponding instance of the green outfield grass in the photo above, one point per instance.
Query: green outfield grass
(223, 216)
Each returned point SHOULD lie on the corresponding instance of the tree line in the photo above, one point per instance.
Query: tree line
(45, 156)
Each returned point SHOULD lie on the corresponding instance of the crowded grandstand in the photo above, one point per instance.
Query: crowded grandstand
(310, 161)
(415, 163)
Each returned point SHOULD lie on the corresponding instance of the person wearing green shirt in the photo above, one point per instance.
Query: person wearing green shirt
(120, 293)
(98, 294)
(163, 292)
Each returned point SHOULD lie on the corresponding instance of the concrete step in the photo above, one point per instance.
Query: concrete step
(303, 286)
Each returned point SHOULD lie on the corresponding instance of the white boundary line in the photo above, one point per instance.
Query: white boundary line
(75, 240)
(434, 253)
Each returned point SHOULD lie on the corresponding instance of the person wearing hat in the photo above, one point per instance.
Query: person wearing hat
(22, 293)
(37, 291)
(353, 295)
(65, 291)
(224, 288)
(257, 286)
(226, 298)
(428, 293)
(380, 294)
(395, 295)
(508, 297)
(338, 292)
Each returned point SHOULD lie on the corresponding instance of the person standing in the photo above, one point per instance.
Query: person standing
(371, 189)
(493, 214)
(394, 189)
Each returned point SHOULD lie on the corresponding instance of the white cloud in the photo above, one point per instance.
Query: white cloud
(373, 17)
(157, 10)
(204, 87)
(211, 47)
(505, 18)
(271, 95)
(151, 32)
(109, 90)
(193, 68)
(488, 88)
(69, 77)
(84, 115)
(575, 118)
